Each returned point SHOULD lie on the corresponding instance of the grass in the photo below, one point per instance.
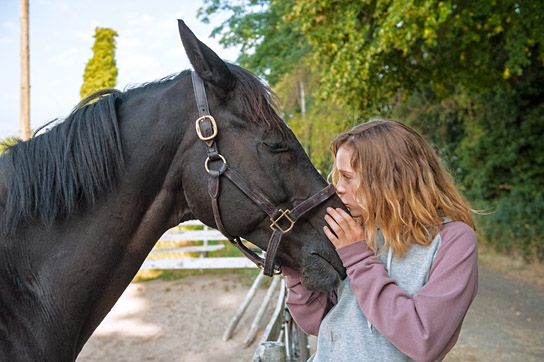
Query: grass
(246, 276)
(512, 265)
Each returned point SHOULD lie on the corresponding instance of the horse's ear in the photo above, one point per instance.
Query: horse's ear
(205, 62)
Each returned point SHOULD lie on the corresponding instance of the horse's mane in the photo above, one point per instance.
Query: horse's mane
(259, 103)
(55, 173)
(147, 87)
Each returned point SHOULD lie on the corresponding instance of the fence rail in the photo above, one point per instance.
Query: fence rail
(198, 263)
(203, 261)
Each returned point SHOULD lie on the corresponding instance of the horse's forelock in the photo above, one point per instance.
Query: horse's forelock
(258, 101)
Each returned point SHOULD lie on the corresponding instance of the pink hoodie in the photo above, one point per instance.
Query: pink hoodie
(425, 325)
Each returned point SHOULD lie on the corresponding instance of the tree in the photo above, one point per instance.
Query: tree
(469, 74)
(101, 70)
(268, 47)
(369, 49)
(364, 51)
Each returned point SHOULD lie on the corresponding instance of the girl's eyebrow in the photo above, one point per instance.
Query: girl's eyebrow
(342, 170)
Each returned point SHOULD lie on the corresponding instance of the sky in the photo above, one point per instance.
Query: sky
(61, 37)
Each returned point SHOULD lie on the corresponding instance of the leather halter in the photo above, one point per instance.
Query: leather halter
(206, 128)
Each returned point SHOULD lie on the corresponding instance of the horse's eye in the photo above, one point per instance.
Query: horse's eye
(276, 147)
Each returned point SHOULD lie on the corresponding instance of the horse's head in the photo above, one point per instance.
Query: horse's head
(243, 170)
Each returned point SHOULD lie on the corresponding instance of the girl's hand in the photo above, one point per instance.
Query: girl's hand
(342, 229)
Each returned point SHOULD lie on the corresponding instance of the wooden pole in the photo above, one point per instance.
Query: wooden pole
(303, 113)
(259, 316)
(270, 351)
(242, 308)
(302, 100)
(25, 74)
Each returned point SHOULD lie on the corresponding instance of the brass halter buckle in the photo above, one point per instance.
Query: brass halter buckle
(275, 223)
(213, 125)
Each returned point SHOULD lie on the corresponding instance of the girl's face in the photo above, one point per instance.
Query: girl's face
(347, 181)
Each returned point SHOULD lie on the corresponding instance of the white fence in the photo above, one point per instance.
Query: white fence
(203, 262)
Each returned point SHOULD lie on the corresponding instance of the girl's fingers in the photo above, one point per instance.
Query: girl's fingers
(339, 215)
(332, 237)
(342, 229)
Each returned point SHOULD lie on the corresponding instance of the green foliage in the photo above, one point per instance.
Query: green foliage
(101, 70)
(269, 47)
(467, 74)
(367, 50)
(516, 224)
(440, 122)
(6, 143)
(503, 154)
(245, 275)
(321, 122)
(492, 143)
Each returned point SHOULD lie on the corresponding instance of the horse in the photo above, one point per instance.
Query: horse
(83, 203)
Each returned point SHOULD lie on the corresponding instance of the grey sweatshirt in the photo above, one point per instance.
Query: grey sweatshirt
(391, 309)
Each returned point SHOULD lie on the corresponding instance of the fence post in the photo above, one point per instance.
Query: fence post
(262, 309)
(270, 351)
(243, 307)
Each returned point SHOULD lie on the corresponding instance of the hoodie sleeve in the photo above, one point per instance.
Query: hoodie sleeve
(307, 308)
(427, 325)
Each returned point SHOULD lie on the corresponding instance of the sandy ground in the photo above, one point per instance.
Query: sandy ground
(184, 320)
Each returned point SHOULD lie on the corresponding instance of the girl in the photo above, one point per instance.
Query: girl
(409, 249)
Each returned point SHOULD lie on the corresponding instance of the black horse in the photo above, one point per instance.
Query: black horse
(83, 204)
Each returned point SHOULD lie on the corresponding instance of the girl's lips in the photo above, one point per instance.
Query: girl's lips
(350, 209)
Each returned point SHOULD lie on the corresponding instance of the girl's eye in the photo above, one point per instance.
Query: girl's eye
(276, 147)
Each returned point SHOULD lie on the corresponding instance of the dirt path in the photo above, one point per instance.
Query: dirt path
(505, 323)
(184, 321)
(176, 321)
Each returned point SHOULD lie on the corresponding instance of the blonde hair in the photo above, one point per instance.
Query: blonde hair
(401, 185)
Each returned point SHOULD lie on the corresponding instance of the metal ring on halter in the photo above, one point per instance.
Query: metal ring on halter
(221, 169)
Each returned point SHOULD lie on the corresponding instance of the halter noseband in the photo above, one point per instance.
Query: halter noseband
(206, 128)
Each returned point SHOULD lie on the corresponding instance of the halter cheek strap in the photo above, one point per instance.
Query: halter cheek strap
(282, 221)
